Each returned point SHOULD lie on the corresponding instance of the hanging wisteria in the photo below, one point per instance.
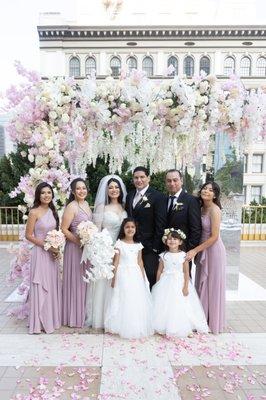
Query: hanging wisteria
(166, 123)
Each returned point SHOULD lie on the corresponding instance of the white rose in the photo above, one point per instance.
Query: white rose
(49, 143)
(23, 153)
(156, 122)
(203, 86)
(63, 88)
(66, 99)
(202, 115)
(169, 94)
(52, 115)
(65, 118)
(123, 106)
(31, 158)
(205, 99)
(167, 129)
(111, 98)
(168, 102)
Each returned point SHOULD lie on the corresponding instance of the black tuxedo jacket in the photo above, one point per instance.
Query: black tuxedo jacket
(187, 218)
(151, 216)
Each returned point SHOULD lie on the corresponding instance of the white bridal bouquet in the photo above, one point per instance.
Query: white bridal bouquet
(99, 251)
(85, 231)
(56, 240)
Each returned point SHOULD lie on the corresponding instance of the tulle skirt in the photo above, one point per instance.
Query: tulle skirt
(173, 313)
(129, 312)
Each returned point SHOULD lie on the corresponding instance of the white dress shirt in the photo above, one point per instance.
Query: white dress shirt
(176, 195)
(139, 194)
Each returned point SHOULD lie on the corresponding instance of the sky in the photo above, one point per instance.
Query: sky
(19, 19)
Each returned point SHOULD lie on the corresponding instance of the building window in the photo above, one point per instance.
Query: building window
(245, 194)
(90, 66)
(245, 163)
(261, 66)
(132, 63)
(229, 66)
(205, 65)
(174, 62)
(256, 194)
(147, 66)
(115, 65)
(189, 66)
(74, 67)
(245, 66)
(257, 163)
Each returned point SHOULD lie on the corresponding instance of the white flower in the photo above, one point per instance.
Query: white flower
(52, 115)
(49, 143)
(65, 118)
(31, 158)
(23, 209)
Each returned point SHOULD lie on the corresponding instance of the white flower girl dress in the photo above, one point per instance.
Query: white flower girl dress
(129, 312)
(173, 313)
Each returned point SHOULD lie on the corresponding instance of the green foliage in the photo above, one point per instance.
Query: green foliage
(230, 176)
(252, 215)
(12, 167)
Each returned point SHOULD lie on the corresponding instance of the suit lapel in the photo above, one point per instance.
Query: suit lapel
(180, 199)
(140, 203)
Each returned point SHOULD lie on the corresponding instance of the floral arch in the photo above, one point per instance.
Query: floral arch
(167, 123)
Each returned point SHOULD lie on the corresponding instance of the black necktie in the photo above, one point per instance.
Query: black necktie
(172, 198)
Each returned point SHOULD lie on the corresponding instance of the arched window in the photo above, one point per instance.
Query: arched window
(174, 62)
(131, 63)
(245, 67)
(229, 66)
(261, 66)
(205, 64)
(90, 66)
(147, 65)
(74, 67)
(115, 65)
(189, 66)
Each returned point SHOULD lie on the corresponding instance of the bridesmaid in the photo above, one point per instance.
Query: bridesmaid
(45, 284)
(211, 260)
(74, 288)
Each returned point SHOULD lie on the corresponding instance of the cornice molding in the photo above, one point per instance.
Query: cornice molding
(146, 33)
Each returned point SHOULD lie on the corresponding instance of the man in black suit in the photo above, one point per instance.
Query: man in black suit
(147, 206)
(183, 209)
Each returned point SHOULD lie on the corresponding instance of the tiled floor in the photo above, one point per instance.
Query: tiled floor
(71, 364)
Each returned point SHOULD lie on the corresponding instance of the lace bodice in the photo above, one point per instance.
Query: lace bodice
(111, 221)
(173, 262)
(128, 252)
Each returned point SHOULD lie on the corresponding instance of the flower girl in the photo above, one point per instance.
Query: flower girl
(129, 312)
(176, 307)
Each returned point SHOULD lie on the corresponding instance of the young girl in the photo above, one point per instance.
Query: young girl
(176, 307)
(129, 312)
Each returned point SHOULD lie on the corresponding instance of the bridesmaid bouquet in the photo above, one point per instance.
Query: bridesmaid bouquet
(85, 231)
(56, 240)
(99, 252)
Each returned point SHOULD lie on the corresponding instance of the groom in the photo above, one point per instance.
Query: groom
(147, 206)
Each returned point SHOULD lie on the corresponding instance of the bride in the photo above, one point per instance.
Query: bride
(108, 213)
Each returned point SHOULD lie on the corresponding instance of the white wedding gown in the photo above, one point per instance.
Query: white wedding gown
(99, 291)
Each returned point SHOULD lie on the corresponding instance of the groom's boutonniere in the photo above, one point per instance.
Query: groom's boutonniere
(145, 199)
(178, 206)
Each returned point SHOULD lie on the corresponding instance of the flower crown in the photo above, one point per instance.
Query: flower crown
(170, 230)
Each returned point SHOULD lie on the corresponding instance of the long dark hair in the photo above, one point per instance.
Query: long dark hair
(120, 198)
(37, 200)
(122, 235)
(73, 185)
(216, 191)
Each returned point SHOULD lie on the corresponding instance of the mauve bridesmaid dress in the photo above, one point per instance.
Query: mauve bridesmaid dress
(210, 279)
(45, 283)
(74, 287)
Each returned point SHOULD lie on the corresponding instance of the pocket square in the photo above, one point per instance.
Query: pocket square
(147, 205)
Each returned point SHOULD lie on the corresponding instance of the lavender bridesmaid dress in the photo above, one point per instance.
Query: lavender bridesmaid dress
(45, 284)
(210, 279)
(74, 287)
